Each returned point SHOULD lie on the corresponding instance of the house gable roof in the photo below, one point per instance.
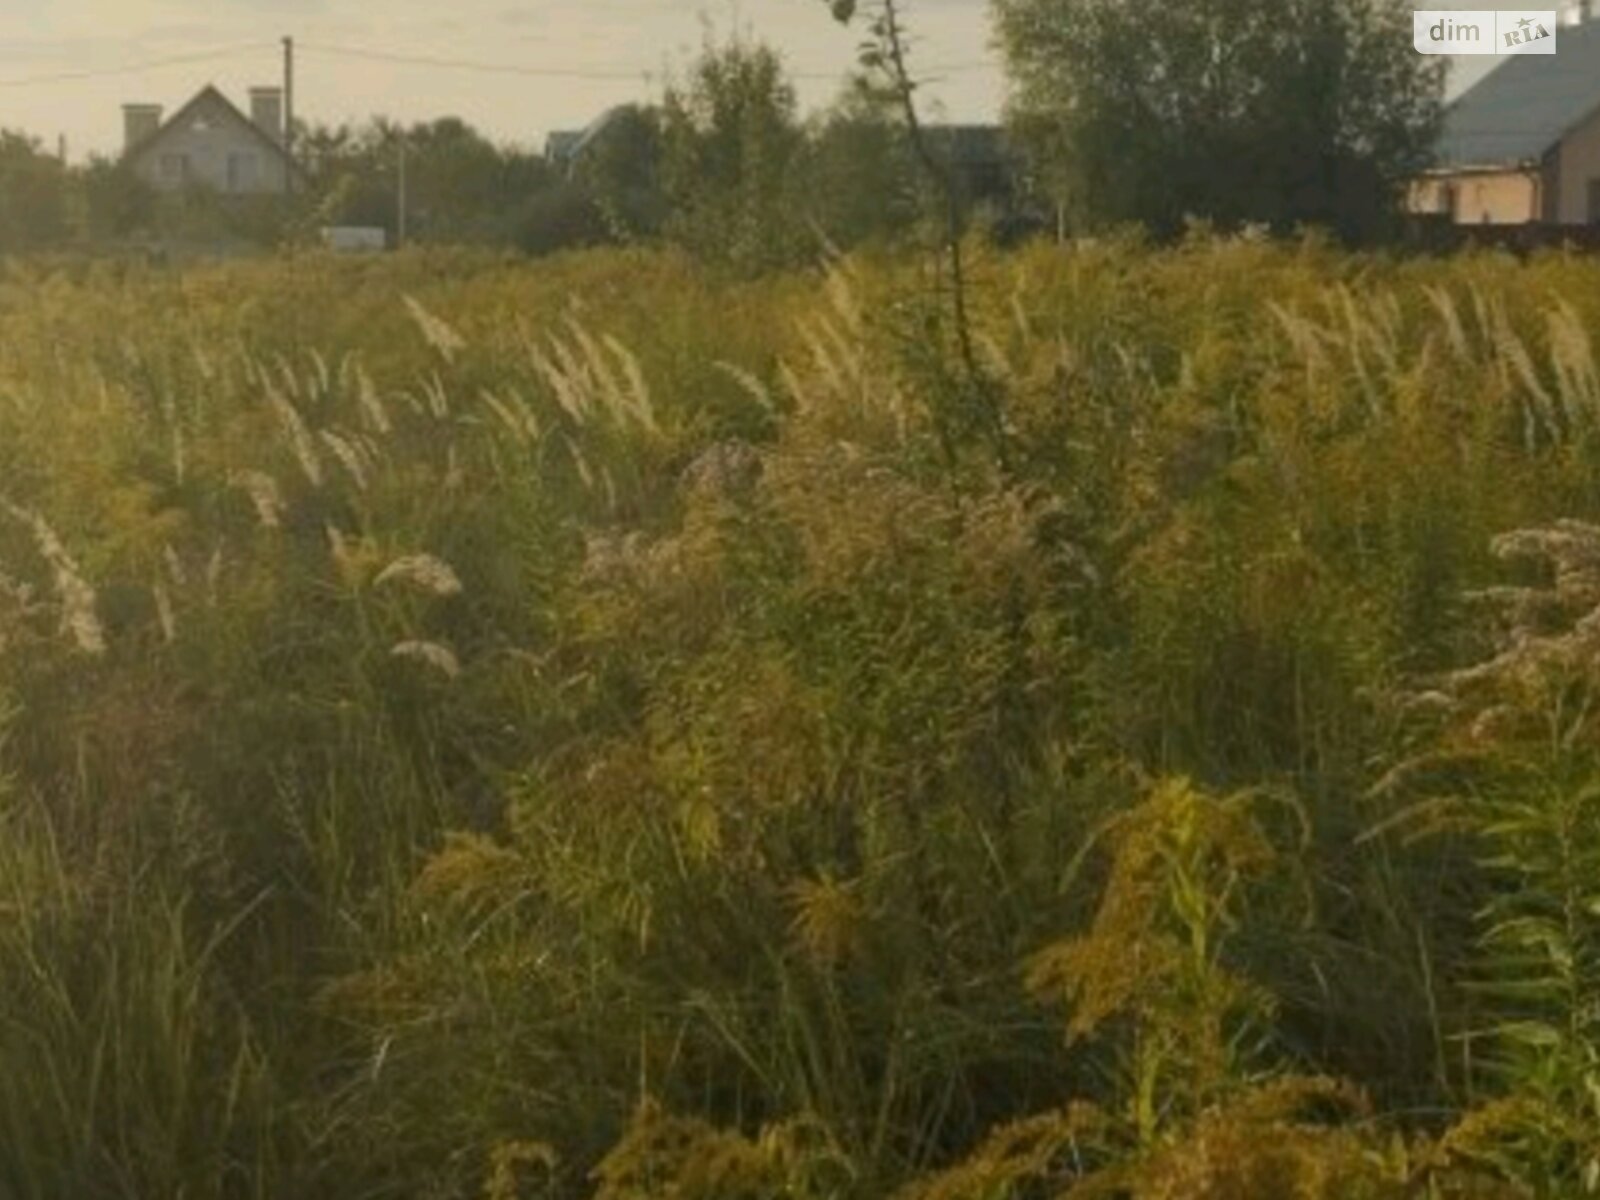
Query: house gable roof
(208, 95)
(559, 145)
(1522, 109)
(596, 129)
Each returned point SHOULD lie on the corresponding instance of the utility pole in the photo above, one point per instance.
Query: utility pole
(400, 197)
(288, 113)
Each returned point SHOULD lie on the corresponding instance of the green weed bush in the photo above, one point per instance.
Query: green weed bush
(597, 728)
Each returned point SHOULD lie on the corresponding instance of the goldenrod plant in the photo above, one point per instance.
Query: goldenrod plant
(570, 730)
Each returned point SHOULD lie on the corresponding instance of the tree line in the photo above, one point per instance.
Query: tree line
(1275, 112)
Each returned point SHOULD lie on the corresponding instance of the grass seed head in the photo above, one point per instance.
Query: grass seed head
(430, 654)
(424, 571)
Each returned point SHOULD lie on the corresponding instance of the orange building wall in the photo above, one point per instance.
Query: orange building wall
(1482, 198)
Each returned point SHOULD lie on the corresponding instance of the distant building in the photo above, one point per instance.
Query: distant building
(565, 148)
(1522, 146)
(210, 143)
(559, 147)
(355, 239)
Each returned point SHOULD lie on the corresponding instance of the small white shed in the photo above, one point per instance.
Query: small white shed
(355, 239)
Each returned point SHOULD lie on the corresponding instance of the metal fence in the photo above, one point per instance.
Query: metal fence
(1444, 236)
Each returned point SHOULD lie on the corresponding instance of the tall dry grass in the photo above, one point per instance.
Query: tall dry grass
(595, 729)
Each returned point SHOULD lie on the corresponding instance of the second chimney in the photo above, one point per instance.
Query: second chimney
(139, 121)
(266, 110)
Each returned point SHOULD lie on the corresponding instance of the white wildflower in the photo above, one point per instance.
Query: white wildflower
(435, 331)
(180, 458)
(339, 547)
(431, 654)
(425, 571)
(320, 365)
(18, 592)
(349, 458)
(214, 575)
(514, 415)
(175, 567)
(731, 467)
(79, 617)
(169, 624)
(638, 391)
(372, 409)
(300, 440)
(264, 494)
(564, 385)
(749, 382)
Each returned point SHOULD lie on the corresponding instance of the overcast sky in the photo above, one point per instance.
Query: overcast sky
(631, 41)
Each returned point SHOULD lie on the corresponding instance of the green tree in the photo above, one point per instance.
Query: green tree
(117, 202)
(730, 141)
(33, 195)
(1276, 111)
(562, 216)
(619, 170)
(860, 175)
(460, 187)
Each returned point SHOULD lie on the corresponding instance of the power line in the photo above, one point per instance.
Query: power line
(612, 74)
(461, 64)
(583, 73)
(135, 68)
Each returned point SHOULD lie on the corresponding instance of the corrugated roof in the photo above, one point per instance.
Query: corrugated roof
(1522, 108)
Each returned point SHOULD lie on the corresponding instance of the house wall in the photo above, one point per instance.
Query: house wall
(219, 152)
(1481, 197)
(1426, 197)
(1579, 171)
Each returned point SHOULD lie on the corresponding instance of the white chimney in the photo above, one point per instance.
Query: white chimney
(266, 110)
(139, 121)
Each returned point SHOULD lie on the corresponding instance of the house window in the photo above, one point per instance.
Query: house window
(175, 168)
(1594, 201)
(242, 170)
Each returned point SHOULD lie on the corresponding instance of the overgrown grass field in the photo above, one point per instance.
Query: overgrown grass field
(595, 729)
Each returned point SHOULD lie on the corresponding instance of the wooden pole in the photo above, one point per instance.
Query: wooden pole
(288, 114)
(400, 198)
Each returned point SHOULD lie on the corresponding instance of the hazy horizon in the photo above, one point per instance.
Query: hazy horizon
(66, 71)
(631, 43)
